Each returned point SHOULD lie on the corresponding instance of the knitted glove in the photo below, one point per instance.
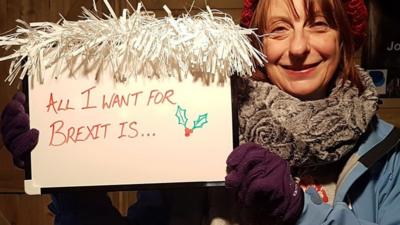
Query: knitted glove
(17, 136)
(262, 180)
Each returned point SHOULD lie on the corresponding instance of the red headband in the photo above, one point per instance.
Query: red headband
(355, 10)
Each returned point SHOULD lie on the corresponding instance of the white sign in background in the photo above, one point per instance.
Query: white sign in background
(145, 131)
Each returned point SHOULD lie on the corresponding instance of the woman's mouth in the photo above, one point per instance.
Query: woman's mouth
(301, 71)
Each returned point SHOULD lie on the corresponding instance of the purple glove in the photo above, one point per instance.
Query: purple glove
(17, 136)
(262, 180)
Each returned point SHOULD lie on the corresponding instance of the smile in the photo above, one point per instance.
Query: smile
(300, 70)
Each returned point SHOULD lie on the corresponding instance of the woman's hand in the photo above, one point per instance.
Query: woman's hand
(262, 181)
(16, 133)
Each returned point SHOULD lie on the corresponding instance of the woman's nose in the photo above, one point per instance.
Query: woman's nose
(299, 44)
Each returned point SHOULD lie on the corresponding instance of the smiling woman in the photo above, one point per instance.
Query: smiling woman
(315, 109)
(312, 149)
(303, 52)
(304, 44)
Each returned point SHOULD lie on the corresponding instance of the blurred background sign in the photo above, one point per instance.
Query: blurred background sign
(381, 53)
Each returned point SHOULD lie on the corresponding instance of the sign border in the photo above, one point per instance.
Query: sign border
(133, 187)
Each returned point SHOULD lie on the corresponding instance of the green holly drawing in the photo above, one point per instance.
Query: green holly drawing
(182, 119)
(181, 115)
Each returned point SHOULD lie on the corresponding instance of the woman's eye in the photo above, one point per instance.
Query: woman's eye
(278, 32)
(279, 29)
(319, 25)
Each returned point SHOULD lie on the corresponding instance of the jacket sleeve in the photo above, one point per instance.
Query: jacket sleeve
(84, 208)
(169, 206)
(324, 214)
(149, 209)
(377, 197)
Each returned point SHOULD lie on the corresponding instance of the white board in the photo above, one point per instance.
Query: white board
(89, 137)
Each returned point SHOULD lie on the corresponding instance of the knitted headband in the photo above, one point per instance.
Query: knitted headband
(355, 10)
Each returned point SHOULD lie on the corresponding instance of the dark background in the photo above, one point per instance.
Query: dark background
(383, 32)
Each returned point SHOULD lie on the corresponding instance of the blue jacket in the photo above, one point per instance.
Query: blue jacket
(368, 192)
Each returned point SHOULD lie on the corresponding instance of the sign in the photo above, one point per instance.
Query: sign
(96, 132)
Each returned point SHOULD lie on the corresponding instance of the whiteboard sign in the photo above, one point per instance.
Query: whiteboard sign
(98, 132)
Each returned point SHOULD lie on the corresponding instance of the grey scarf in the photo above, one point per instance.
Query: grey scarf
(307, 133)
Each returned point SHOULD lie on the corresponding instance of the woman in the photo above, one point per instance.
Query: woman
(319, 116)
(310, 122)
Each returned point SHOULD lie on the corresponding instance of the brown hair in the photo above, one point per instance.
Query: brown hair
(336, 17)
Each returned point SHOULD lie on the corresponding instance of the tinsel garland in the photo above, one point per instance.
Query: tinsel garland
(208, 43)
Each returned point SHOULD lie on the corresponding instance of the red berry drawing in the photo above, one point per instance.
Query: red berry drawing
(188, 132)
(182, 119)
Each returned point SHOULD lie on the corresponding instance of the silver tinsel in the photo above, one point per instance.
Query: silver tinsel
(207, 44)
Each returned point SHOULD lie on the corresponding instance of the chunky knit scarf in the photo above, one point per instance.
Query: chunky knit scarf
(307, 133)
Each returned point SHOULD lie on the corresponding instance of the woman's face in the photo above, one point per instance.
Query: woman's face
(302, 54)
